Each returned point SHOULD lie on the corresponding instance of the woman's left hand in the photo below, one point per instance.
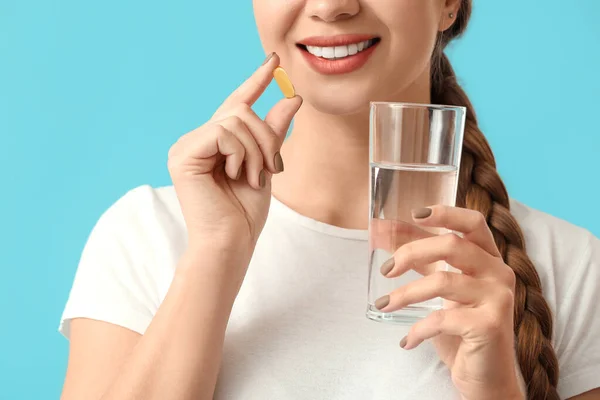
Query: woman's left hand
(474, 333)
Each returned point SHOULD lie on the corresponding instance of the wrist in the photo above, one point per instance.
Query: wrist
(221, 246)
(216, 252)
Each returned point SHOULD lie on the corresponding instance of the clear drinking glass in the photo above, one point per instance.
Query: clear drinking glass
(415, 152)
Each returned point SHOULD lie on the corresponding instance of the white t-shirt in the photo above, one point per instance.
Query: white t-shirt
(298, 328)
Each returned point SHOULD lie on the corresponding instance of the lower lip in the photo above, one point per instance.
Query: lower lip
(341, 66)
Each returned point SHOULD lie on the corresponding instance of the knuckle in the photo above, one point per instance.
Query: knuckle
(442, 279)
(510, 277)
(505, 298)
(222, 135)
(178, 147)
(174, 164)
(179, 144)
(243, 109)
(405, 253)
(437, 317)
(453, 241)
(236, 122)
(480, 220)
(220, 131)
(490, 324)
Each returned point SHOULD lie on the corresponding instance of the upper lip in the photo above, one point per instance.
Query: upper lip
(337, 40)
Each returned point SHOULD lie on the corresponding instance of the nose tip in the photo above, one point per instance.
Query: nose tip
(333, 10)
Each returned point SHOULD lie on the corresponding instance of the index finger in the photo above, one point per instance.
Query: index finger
(249, 91)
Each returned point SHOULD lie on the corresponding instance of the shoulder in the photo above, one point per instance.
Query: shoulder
(563, 253)
(553, 243)
(127, 263)
(567, 258)
(144, 228)
(146, 201)
(535, 223)
(144, 213)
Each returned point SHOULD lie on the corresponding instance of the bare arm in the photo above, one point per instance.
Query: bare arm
(178, 357)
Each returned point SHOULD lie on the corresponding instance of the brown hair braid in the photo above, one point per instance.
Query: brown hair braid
(482, 189)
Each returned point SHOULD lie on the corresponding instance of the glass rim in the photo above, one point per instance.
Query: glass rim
(397, 104)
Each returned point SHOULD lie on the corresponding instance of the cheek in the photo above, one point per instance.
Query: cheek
(274, 19)
(413, 32)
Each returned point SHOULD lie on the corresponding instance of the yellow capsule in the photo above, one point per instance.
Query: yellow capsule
(283, 80)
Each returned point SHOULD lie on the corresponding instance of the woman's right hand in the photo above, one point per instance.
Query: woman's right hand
(222, 170)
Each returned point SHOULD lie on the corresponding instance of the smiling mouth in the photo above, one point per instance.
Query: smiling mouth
(334, 53)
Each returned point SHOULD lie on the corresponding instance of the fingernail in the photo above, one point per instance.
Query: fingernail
(278, 162)
(388, 266)
(262, 179)
(268, 58)
(382, 302)
(421, 213)
(404, 341)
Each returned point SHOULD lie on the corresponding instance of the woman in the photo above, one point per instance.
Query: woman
(190, 292)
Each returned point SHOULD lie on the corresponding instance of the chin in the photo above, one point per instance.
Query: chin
(353, 96)
(339, 102)
(340, 106)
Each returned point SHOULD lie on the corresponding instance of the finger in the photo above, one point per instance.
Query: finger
(460, 253)
(268, 142)
(451, 286)
(234, 153)
(470, 324)
(254, 158)
(249, 91)
(469, 222)
(280, 116)
(455, 322)
(203, 146)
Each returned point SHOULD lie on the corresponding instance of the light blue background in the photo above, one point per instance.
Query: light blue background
(92, 94)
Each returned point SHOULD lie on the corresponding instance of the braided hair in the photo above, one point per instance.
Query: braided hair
(481, 188)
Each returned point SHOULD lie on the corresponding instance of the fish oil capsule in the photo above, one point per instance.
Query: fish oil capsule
(284, 83)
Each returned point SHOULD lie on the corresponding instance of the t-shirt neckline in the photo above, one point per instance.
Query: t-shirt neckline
(318, 226)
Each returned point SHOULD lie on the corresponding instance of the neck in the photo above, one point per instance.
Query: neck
(327, 163)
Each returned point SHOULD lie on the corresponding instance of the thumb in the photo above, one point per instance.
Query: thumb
(280, 116)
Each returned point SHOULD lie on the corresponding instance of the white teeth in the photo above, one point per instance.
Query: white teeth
(328, 52)
(317, 51)
(339, 51)
(352, 49)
